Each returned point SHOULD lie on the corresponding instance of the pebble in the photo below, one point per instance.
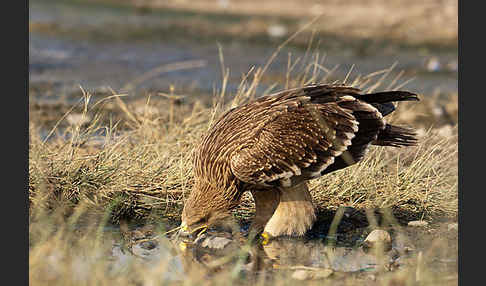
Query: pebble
(148, 245)
(141, 251)
(302, 274)
(418, 223)
(215, 242)
(378, 236)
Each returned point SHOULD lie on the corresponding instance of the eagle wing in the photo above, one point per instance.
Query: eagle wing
(304, 131)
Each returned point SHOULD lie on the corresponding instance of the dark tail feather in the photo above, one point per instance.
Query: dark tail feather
(388, 96)
(383, 100)
(396, 136)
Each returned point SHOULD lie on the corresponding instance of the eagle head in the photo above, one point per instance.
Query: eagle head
(206, 207)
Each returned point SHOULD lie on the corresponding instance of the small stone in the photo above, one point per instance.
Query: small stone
(216, 242)
(138, 250)
(148, 245)
(302, 274)
(453, 226)
(376, 237)
(418, 223)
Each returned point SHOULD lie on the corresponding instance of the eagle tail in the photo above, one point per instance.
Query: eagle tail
(383, 100)
(388, 96)
(396, 136)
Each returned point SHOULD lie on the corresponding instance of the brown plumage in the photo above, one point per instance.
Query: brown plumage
(273, 145)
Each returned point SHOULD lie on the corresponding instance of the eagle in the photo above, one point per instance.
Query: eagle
(273, 145)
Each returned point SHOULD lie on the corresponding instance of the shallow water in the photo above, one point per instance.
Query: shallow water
(150, 250)
(302, 257)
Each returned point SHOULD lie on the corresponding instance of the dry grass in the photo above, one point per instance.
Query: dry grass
(132, 160)
(137, 155)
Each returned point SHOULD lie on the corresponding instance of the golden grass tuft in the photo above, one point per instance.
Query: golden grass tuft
(135, 156)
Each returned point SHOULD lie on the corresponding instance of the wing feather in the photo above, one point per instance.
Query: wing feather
(297, 134)
(297, 140)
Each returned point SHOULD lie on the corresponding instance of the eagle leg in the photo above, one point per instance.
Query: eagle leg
(266, 201)
(294, 214)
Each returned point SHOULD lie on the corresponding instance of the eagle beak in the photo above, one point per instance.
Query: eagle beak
(186, 233)
(183, 230)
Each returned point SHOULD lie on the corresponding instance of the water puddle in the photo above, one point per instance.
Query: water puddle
(303, 258)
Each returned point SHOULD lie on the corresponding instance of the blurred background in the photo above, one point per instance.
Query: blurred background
(143, 46)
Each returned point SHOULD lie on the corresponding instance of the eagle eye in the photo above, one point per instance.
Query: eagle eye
(201, 220)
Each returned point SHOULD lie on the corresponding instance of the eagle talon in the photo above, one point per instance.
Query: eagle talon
(266, 238)
(183, 246)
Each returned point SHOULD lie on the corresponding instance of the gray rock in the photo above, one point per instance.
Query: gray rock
(305, 274)
(418, 223)
(377, 237)
(215, 242)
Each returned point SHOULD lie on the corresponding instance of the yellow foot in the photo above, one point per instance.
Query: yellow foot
(266, 238)
(182, 246)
